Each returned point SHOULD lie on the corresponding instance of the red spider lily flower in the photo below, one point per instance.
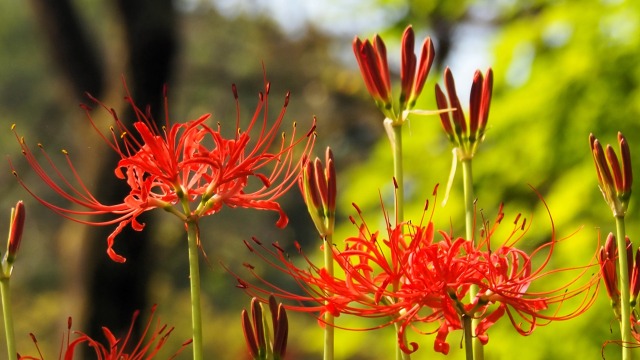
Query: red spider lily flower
(381, 277)
(410, 279)
(614, 176)
(176, 163)
(254, 330)
(510, 276)
(466, 136)
(150, 343)
(318, 188)
(372, 60)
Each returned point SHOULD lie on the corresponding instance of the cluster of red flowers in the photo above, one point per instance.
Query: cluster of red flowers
(410, 278)
(177, 164)
(150, 343)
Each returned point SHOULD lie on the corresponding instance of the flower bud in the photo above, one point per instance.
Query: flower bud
(371, 56)
(614, 175)
(16, 228)
(465, 136)
(318, 187)
(255, 330)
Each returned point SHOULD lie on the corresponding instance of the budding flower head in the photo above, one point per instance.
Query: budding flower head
(465, 135)
(16, 227)
(256, 330)
(614, 175)
(607, 259)
(318, 187)
(372, 61)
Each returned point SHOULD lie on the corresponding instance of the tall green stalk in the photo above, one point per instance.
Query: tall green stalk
(329, 337)
(394, 132)
(468, 340)
(8, 317)
(194, 282)
(469, 198)
(401, 355)
(623, 273)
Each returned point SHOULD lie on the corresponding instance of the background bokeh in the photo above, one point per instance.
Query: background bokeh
(563, 69)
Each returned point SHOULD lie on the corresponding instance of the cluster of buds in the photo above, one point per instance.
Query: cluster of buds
(614, 176)
(318, 186)
(607, 259)
(16, 227)
(465, 135)
(258, 340)
(372, 60)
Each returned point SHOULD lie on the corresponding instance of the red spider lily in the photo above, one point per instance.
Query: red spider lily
(411, 279)
(614, 177)
(176, 163)
(117, 349)
(372, 60)
(466, 136)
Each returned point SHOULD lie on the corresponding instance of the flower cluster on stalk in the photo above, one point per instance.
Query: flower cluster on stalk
(409, 278)
(151, 342)
(614, 176)
(181, 164)
(465, 134)
(371, 56)
(256, 331)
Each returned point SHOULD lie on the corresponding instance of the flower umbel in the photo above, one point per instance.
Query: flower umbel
(318, 188)
(372, 60)
(150, 343)
(466, 135)
(256, 331)
(413, 280)
(176, 165)
(614, 176)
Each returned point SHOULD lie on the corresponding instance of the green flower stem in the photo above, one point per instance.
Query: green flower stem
(401, 355)
(328, 317)
(398, 172)
(8, 317)
(625, 326)
(468, 340)
(394, 131)
(194, 279)
(467, 183)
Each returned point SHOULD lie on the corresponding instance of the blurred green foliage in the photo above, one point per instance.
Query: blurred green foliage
(563, 69)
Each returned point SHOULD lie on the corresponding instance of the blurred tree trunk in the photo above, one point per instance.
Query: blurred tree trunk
(115, 291)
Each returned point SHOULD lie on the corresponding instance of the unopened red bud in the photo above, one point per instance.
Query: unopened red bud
(625, 154)
(15, 231)
(608, 255)
(635, 279)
